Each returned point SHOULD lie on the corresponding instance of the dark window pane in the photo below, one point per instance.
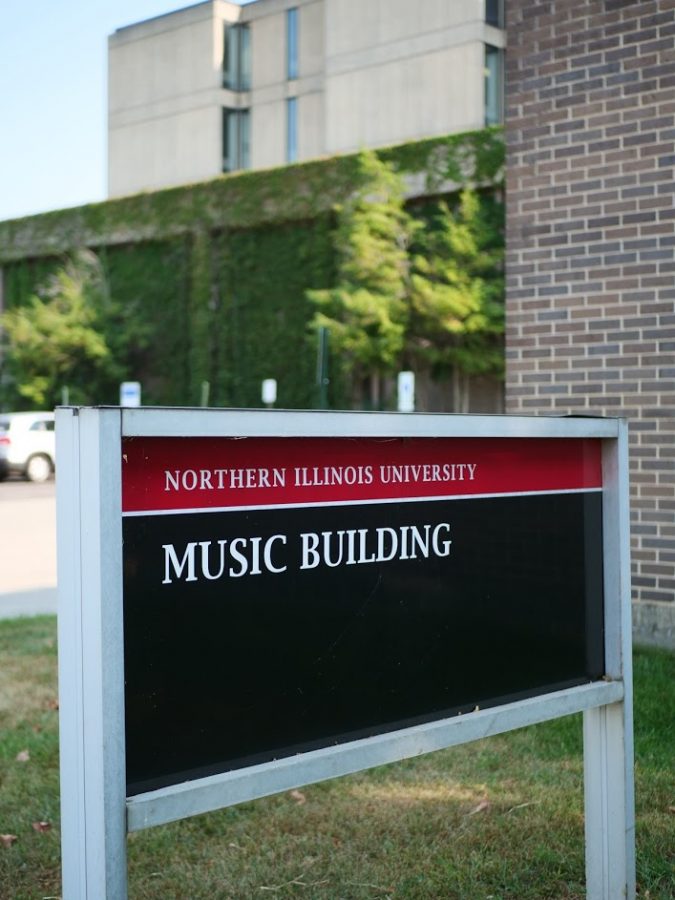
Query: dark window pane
(237, 58)
(244, 58)
(244, 139)
(228, 148)
(494, 10)
(230, 57)
(236, 139)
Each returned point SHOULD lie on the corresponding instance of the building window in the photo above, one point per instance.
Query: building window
(237, 58)
(292, 43)
(292, 129)
(494, 67)
(236, 139)
(494, 13)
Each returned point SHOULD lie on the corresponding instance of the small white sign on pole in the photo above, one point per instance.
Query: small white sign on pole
(269, 391)
(130, 393)
(406, 392)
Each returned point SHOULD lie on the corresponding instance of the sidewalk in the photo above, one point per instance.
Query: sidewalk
(27, 552)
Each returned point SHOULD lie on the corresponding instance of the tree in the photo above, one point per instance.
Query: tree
(414, 293)
(457, 289)
(56, 339)
(366, 313)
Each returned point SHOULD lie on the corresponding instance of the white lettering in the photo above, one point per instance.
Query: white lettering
(239, 557)
(441, 548)
(381, 555)
(363, 557)
(310, 556)
(255, 556)
(332, 563)
(206, 569)
(268, 553)
(188, 560)
(242, 556)
(351, 560)
(422, 543)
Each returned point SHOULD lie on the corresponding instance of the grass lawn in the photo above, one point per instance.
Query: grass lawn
(500, 818)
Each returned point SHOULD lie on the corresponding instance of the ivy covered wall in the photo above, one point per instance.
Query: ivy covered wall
(214, 275)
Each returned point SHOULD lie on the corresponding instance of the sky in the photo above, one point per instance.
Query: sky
(53, 98)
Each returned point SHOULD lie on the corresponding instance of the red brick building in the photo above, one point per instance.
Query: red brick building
(590, 123)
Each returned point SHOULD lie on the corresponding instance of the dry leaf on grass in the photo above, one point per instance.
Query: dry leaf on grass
(521, 806)
(23, 756)
(42, 826)
(294, 881)
(481, 807)
(8, 839)
(299, 797)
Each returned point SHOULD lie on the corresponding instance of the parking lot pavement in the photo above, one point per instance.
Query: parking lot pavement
(27, 548)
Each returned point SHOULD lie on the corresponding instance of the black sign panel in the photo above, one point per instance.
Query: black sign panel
(256, 633)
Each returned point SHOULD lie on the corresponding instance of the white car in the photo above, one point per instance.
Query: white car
(27, 445)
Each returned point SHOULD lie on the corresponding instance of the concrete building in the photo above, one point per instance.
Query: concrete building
(590, 264)
(218, 87)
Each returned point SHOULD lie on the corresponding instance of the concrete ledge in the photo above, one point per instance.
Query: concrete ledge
(654, 624)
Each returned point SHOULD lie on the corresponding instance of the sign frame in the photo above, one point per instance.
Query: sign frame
(96, 813)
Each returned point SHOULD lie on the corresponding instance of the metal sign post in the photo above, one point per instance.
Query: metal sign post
(242, 542)
(91, 673)
(609, 793)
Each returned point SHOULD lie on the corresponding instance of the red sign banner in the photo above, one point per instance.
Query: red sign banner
(174, 474)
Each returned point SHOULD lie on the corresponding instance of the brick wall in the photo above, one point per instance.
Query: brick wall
(590, 122)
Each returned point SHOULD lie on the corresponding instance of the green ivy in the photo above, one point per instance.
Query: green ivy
(152, 280)
(244, 199)
(260, 323)
(212, 276)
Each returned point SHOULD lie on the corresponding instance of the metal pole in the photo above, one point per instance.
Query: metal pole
(206, 390)
(91, 676)
(609, 792)
(322, 368)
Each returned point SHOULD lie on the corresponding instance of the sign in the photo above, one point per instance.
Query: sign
(130, 393)
(319, 590)
(260, 600)
(269, 391)
(406, 391)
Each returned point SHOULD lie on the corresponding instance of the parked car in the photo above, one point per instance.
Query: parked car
(27, 445)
